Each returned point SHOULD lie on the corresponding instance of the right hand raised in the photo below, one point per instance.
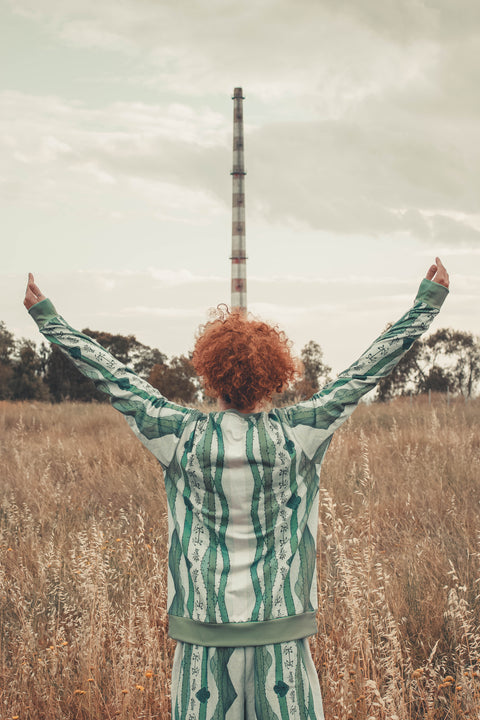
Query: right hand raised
(438, 273)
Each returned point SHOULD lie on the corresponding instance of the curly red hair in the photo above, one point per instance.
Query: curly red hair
(242, 360)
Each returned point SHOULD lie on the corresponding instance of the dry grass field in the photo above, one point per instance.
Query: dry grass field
(83, 566)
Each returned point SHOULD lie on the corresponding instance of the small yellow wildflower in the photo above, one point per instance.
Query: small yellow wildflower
(140, 687)
(79, 692)
(149, 674)
(125, 692)
(458, 688)
(449, 679)
(90, 679)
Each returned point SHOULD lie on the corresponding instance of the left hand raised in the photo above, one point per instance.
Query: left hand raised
(33, 294)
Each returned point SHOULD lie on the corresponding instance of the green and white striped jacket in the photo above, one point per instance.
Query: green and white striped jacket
(242, 488)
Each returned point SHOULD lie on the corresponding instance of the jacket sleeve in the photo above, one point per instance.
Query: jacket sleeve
(314, 421)
(157, 422)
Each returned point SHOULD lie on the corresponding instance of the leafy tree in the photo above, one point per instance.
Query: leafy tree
(144, 358)
(7, 343)
(120, 346)
(129, 351)
(177, 380)
(404, 378)
(65, 382)
(7, 347)
(316, 374)
(27, 380)
(447, 360)
(6, 376)
(455, 359)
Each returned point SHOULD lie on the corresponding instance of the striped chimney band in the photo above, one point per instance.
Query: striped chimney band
(239, 255)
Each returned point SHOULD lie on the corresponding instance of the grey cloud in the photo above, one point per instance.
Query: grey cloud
(362, 177)
(181, 163)
(59, 140)
(409, 20)
(395, 89)
(274, 47)
(450, 231)
(350, 175)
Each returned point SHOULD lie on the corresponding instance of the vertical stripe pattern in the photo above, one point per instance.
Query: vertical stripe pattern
(268, 682)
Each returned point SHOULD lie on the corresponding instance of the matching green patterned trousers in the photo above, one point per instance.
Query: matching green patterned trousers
(265, 682)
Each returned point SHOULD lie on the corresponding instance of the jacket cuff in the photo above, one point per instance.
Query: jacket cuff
(431, 293)
(43, 311)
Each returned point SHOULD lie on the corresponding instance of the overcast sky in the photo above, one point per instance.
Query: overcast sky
(362, 138)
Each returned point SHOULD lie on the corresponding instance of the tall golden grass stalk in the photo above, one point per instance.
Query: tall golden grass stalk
(83, 565)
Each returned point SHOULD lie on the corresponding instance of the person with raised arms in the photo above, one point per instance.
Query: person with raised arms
(242, 485)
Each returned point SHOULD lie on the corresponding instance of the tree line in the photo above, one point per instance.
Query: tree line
(446, 361)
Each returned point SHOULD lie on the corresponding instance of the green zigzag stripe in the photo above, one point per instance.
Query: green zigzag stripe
(203, 705)
(225, 688)
(282, 700)
(268, 455)
(187, 528)
(299, 681)
(174, 558)
(262, 663)
(306, 550)
(209, 561)
(223, 526)
(256, 523)
(185, 682)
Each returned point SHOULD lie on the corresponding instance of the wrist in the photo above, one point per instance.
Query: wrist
(43, 311)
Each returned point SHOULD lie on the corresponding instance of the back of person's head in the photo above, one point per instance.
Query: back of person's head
(242, 360)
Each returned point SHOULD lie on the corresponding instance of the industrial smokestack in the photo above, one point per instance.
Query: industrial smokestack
(239, 256)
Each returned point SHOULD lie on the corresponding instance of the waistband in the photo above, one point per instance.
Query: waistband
(237, 634)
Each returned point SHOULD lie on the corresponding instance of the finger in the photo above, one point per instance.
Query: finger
(442, 275)
(33, 287)
(431, 272)
(441, 267)
(36, 290)
(30, 299)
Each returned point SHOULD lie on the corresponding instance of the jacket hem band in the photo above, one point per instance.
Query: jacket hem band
(238, 634)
